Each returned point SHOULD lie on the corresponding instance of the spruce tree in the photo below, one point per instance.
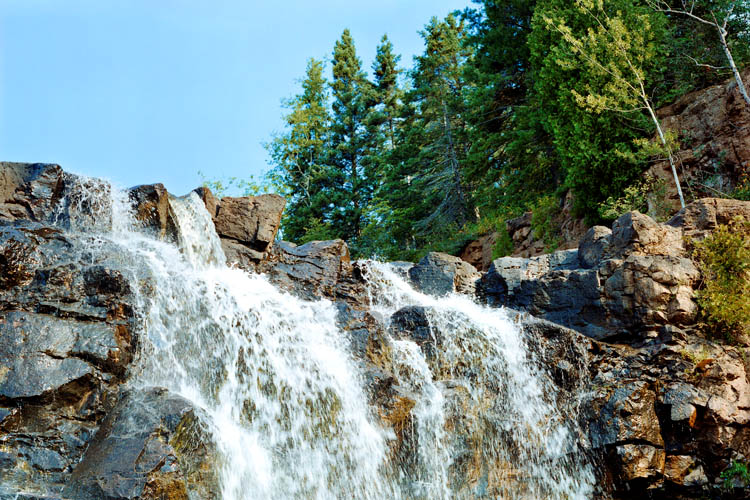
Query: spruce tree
(299, 160)
(438, 94)
(352, 183)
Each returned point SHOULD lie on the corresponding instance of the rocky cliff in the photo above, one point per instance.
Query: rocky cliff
(659, 410)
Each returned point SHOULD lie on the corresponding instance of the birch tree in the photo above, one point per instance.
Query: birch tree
(619, 54)
(717, 18)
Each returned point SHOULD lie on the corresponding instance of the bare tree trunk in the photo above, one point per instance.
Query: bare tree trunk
(669, 152)
(735, 71)
(454, 164)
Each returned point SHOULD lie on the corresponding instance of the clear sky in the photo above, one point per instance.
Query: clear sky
(143, 91)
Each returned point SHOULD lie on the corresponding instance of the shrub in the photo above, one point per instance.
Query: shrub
(736, 472)
(545, 221)
(724, 260)
(648, 196)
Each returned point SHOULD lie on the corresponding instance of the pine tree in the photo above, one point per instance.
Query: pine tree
(299, 159)
(388, 94)
(438, 94)
(352, 183)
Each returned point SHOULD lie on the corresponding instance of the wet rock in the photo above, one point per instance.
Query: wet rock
(45, 193)
(310, 270)
(639, 461)
(29, 191)
(412, 323)
(133, 454)
(151, 208)
(441, 274)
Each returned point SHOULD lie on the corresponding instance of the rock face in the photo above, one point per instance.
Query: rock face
(664, 412)
(247, 226)
(668, 409)
(441, 274)
(713, 128)
(66, 339)
(621, 282)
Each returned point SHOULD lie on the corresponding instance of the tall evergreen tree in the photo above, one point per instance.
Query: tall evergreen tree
(438, 95)
(388, 94)
(299, 159)
(353, 183)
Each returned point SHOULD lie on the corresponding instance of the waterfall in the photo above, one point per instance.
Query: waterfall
(283, 397)
(524, 448)
(278, 388)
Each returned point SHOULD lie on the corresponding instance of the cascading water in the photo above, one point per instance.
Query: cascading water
(273, 375)
(518, 443)
(283, 398)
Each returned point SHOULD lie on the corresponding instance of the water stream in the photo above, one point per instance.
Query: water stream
(284, 399)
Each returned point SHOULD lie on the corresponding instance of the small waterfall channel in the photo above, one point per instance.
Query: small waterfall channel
(284, 398)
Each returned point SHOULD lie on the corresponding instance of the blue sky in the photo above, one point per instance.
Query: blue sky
(142, 91)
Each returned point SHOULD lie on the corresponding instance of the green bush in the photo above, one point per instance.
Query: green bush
(545, 222)
(648, 196)
(737, 471)
(724, 260)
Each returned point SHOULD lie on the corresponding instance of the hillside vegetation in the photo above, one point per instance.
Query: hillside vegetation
(512, 105)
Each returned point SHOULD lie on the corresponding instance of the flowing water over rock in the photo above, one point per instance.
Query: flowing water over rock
(475, 374)
(279, 392)
(282, 398)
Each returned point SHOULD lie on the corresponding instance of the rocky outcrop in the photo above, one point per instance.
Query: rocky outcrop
(619, 283)
(247, 226)
(668, 415)
(713, 129)
(66, 339)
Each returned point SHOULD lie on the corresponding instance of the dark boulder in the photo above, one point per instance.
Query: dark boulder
(136, 452)
(440, 274)
(151, 208)
(594, 246)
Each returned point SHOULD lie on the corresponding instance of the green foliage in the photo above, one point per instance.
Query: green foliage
(648, 196)
(737, 471)
(545, 221)
(299, 156)
(504, 244)
(589, 63)
(511, 104)
(724, 261)
(234, 186)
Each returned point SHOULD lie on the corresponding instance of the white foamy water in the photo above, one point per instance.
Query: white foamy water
(518, 445)
(273, 374)
(283, 399)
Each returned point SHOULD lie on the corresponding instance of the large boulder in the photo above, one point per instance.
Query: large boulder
(440, 274)
(151, 208)
(247, 226)
(138, 453)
